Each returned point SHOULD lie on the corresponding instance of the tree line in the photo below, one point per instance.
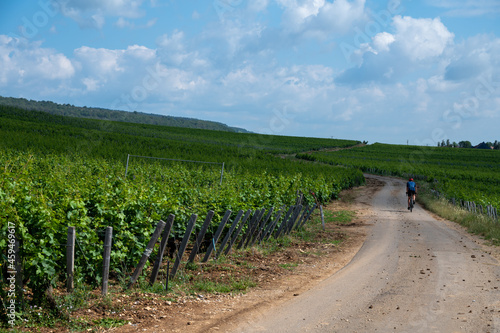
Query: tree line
(115, 115)
(468, 144)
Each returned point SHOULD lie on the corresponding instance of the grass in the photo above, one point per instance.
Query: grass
(224, 287)
(341, 217)
(96, 325)
(477, 224)
(289, 266)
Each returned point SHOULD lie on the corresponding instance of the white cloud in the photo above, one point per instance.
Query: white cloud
(91, 84)
(382, 41)
(101, 62)
(320, 17)
(25, 62)
(92, 13)
(172, 49)
(421, 38)
(472, 58)
(416, 45)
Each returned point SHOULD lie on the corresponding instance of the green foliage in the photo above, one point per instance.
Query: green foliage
(467, 174)
(59, 171)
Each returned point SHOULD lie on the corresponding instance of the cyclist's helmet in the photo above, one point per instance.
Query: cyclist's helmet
(411, 178)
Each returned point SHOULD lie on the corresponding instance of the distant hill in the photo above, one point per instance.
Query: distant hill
(116, 115)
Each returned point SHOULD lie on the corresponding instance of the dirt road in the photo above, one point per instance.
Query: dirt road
(414, 273)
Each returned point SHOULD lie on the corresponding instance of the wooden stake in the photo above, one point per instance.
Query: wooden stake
(215, 239)
(184, 243)
(228, 235)
(106, 259)
(146, 254)
(163, 244)
(201, 235)
(70, 259)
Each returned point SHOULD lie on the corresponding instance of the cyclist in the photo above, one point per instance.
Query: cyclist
(411, 191)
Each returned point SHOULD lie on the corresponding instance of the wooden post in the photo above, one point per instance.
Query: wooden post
(308, 215)
(168, 273)
(19, 273)
(229, 233)
(201, 235)
(273, 224)
(284, 222)
(254, 227)
(70, 259)
(180, 252)
(106, 259)
(146, 254)
(161, 251)
(250, 224)
(302, 216)
(294, 218)
(260, 227)
(215, 239)
(235, 236)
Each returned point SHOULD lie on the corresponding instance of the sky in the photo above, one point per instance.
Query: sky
(399, 72)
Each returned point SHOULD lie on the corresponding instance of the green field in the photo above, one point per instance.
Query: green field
(460, 173)
(60, 171)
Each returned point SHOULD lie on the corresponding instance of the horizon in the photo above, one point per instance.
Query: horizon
(394, 72)
(248, 132)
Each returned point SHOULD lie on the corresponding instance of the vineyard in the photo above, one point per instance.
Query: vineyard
(59, 171)
(462, 174)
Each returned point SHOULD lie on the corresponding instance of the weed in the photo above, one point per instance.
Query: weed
(476, 223)
(96, 324)
(289, 266)
(221, 287)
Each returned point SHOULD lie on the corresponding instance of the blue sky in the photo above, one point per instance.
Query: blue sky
(382, 71)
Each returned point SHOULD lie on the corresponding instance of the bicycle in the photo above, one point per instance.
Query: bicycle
(410, 198)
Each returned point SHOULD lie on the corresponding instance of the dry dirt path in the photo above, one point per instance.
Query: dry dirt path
(414, 273)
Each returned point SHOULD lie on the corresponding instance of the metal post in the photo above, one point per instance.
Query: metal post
(126, 168)
(221, 173)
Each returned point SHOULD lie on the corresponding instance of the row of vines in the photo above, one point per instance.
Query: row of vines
(57, 172)
(460, 173)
